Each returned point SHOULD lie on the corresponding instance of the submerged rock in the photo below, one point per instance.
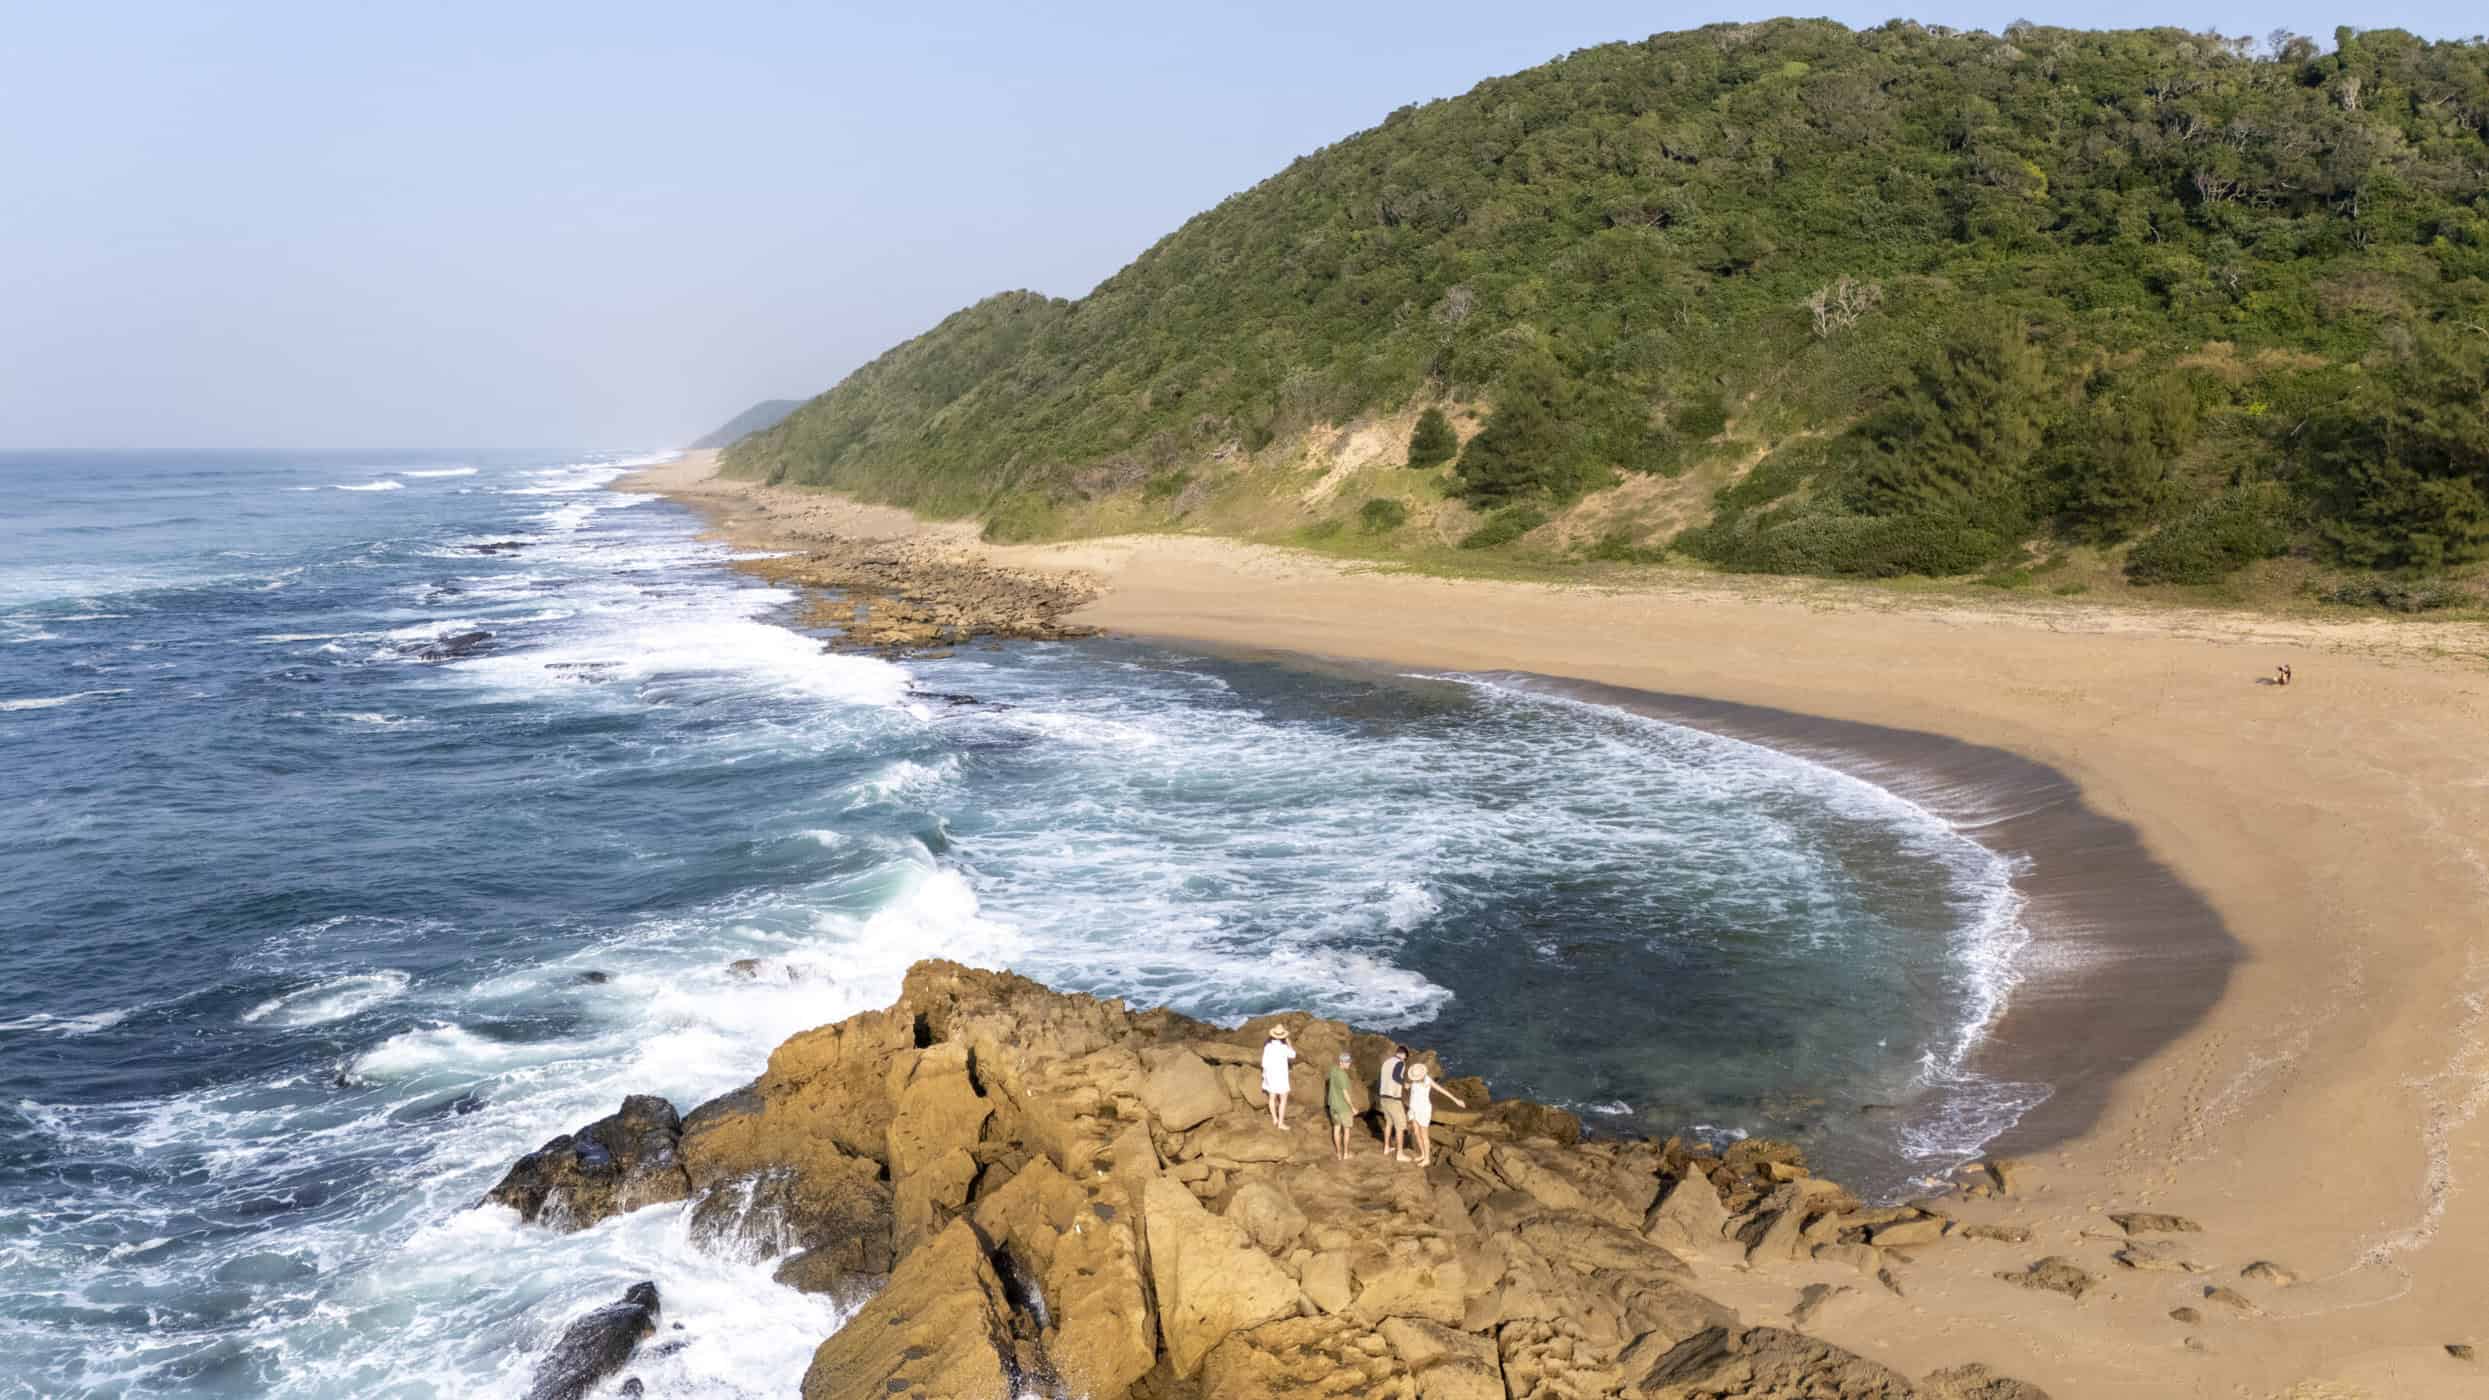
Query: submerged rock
(613, 1165)
(596, 1345)
(452, 647)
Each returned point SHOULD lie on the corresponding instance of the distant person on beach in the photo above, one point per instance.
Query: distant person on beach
(1276, 1052)
(2285, 674)
(1422, 1089)
(1335, 1102)
(1391, 1099)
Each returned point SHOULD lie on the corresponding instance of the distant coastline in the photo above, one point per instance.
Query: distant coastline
(2163, 794)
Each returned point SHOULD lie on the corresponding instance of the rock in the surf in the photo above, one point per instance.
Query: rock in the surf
(596, 1345)
(616, 1164)
(835, 1214)
(455, 646)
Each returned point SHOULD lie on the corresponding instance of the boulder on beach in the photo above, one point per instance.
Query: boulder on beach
(618, 1163)
(595, 1346)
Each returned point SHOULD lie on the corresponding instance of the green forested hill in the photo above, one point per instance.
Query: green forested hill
(768, 413)
(1905, 300)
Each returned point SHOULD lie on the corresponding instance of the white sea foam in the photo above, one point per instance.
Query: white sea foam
(454, 1051)
(332, 1000)
(382, 485)
(1406, 904)
(88, 1024)
(440, 471)
(1989, 940)
(46, 702)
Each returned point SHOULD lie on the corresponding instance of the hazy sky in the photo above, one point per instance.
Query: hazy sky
(616, 224)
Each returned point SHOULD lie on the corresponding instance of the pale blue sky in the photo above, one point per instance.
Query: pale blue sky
(616, 224)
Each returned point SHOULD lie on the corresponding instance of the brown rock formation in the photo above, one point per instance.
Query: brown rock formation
(1057, 1194)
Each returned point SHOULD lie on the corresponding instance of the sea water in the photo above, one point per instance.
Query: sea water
(320, 908)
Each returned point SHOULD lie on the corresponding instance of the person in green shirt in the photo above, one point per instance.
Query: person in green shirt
(1335, 1102)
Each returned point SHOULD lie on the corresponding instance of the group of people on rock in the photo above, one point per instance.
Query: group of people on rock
(1404, 1097)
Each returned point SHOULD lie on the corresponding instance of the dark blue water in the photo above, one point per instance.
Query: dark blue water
(306, 881)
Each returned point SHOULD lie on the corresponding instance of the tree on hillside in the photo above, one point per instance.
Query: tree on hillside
(2401, 466)
(1529, 446)
(2113, 463)
(1956, 431)
(1433, 442)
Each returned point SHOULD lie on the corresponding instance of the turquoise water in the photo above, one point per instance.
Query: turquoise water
(301, 919)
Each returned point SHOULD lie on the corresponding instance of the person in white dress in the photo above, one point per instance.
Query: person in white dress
(1422, 1091)
(1276, 1053)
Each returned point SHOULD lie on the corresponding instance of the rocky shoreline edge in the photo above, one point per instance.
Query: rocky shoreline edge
(1012, 1191)
(877, 579)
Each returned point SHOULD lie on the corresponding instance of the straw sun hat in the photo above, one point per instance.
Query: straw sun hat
(1279, 1032)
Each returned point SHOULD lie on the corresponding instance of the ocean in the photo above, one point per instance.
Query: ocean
(374, 816)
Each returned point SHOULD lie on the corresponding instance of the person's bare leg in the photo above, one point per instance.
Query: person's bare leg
(1425, 1145)
(1279, 1110)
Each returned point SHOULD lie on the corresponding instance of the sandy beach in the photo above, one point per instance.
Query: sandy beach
(2286, 1039)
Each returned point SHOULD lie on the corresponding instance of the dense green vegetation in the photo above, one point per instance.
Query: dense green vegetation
(1952, 293)
(1432, 442)
(768, 413)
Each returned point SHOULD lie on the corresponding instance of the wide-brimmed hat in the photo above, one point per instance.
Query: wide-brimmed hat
(1279, 1032)
(1418, 1071)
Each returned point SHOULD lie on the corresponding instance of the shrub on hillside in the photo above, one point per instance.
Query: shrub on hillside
(1382, 515)
(1823, 540)
(1701, 417)
(1433, 442)
(2216, 538)
(1504, 526)
(2394, 595)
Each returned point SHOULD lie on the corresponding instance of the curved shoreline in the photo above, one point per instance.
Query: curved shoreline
(2125, 957)
(2330, 1105)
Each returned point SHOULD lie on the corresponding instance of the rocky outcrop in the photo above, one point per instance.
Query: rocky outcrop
(1059, 1195)
(615, 1164)
(911, 593)
(1765, 1363)
(595, 1346)
(941, 1327)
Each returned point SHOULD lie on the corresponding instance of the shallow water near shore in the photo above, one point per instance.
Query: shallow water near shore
(326, 907)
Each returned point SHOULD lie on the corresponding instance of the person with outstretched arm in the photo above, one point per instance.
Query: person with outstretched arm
(1422, 1089)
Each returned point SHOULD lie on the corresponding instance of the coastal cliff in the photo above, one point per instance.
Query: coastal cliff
(1021, 1191)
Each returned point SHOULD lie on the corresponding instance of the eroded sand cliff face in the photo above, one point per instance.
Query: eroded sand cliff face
(1037, 1193)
